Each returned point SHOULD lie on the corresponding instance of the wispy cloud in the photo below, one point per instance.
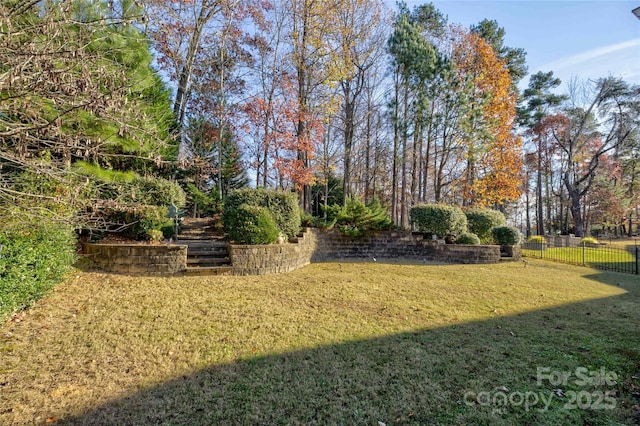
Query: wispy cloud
(613, 59)
(593, 54)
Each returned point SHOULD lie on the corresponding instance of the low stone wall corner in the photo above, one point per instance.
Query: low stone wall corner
(273, 258)
(134, 259)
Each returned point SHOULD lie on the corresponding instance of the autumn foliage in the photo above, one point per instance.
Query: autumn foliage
(494, 150)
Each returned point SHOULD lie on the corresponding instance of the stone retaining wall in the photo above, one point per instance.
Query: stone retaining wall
(312, 246)
(332, 245)
(134, 259)
(273, 258)
(562, 241)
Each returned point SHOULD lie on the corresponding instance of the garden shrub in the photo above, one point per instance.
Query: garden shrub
(58, 197)
(144, 191)
(481, 221)
(467, 238)
(156, 191)
(537, 239)
(589, 241)
(253, 225)
(357, 219)
(506, 235)
(307, 219)
(35, 256)
(282, 205)
(439, 219)
(207, 204)
(142, 223)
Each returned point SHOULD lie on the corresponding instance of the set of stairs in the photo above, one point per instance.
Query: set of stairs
(208, 251)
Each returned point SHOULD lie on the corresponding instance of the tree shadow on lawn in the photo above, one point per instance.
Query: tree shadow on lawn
(457, 374)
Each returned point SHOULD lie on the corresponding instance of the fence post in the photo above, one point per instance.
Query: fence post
(584, 248)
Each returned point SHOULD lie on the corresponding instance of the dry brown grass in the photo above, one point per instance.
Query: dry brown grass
(330, 343)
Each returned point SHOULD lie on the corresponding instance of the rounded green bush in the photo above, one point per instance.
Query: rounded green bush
(253, 225)
(506, 235)
(481, 221)
(282, 205)
(468, 238)
(439, 219)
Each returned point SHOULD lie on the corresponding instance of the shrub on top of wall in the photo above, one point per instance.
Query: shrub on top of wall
(439, 219)
(143, 223)
(481, 221)
(253, 225)
(506, 235)
(282, 205)
(467, 238)
(356, 218)
(34, 256)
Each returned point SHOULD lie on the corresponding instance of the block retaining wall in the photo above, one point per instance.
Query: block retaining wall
(273, 258)
(312, 246)
(332, 245)
(138, 259)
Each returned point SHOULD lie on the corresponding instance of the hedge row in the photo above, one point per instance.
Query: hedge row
(473, 227)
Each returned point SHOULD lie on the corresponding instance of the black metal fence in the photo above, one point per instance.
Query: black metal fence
(604, 257)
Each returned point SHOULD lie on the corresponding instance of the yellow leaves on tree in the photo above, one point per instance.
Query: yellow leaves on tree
(494, 162)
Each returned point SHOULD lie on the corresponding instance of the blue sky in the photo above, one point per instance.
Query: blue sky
(584, 39)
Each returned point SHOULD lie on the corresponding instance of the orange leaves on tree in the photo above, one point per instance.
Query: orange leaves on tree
(495, 152)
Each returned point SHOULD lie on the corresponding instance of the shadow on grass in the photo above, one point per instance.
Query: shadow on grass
(425, 377)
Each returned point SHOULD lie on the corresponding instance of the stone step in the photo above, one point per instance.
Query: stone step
(207, 261)
(187, 237)
(208, 255)
(204, 271)
(204, 244)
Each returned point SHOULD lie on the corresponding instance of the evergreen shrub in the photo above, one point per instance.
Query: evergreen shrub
(439, 219)
(282, 205)
(35, 255)
(357, 218)
(506, 235)
(481, 221)
(467, 238)
(253, 225)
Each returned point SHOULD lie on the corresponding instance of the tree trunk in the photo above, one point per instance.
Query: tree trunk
(539, 209)
(404, 221)
(396, 137)
(349, 111)
(576, 212)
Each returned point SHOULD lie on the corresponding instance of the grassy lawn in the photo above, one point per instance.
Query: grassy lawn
(612, 258)
(350, 343)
